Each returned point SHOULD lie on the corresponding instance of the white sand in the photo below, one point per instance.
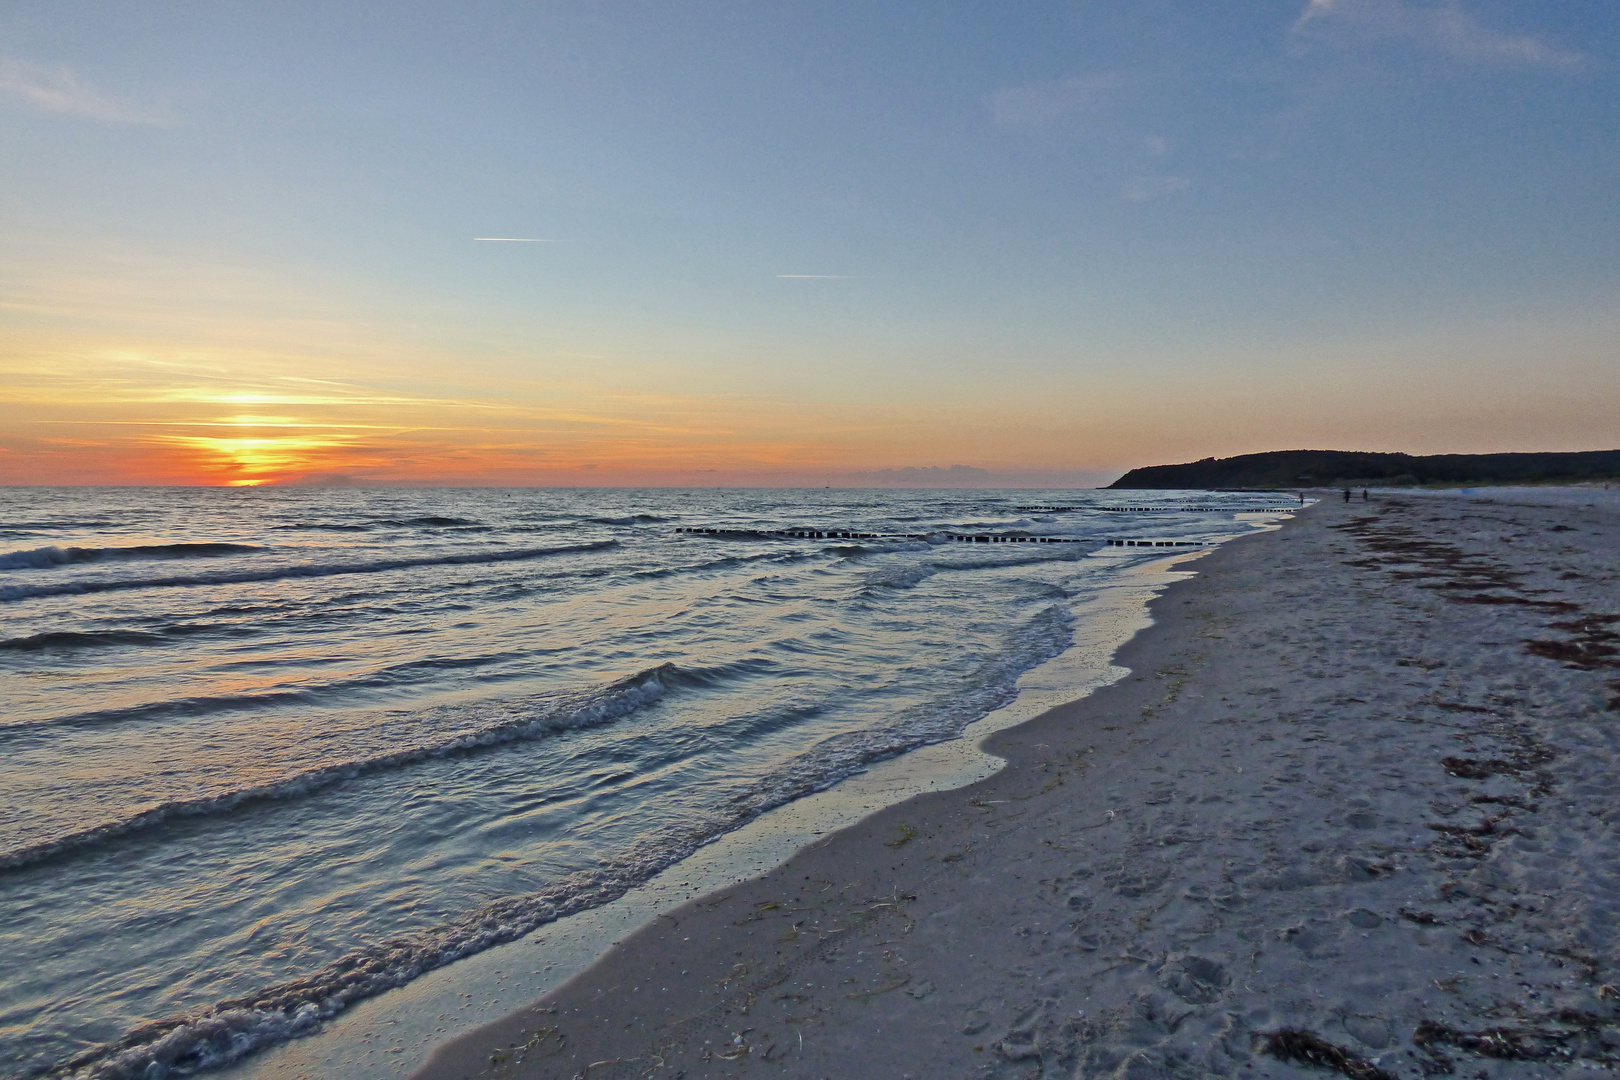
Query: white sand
(1355, 810)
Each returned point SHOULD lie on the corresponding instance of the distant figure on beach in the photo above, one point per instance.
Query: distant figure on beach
(1346, 494)
(1364, 495)
(1302, 498)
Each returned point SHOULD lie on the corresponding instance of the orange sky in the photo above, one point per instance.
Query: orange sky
(798, 244)
(125, 409)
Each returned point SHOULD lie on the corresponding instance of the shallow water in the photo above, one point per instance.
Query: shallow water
(264, 753)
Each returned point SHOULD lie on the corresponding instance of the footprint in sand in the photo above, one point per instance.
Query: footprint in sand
(1196, 980)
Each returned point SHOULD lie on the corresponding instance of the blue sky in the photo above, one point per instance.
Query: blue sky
(799, 243)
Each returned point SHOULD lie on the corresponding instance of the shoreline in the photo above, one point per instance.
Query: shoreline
(387, 1036)
(1257, 853)
(468, 1055)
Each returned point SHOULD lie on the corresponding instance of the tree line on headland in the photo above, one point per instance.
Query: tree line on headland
(1318, 468)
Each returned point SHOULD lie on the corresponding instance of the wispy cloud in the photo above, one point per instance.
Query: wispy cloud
(1444, 27)
(1144, 188)
(61, 90)
(1044, 103)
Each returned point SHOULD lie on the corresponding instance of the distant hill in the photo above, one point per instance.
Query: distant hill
(1315, 468)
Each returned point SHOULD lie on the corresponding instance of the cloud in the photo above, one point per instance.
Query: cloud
(60, 90)
(1443, 27)
(1144, 188)
(1043, 103)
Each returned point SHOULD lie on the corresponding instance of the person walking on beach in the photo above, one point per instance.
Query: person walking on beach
(1364, 495)
(1346, 494)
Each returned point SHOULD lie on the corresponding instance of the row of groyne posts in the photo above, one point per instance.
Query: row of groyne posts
(987, 538)
(1163, 509)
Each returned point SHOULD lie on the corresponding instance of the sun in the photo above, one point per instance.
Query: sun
(252, 460)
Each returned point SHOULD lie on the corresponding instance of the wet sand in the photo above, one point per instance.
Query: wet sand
(1355, 809)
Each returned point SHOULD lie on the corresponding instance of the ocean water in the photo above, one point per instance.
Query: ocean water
(265, 753)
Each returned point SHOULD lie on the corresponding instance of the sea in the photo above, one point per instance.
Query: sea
(266, 753)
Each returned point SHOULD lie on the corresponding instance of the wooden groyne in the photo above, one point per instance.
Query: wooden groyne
(1162, 509)
(961, 538)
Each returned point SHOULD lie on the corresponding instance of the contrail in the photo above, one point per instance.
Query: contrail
(511, 240)
(834, 277)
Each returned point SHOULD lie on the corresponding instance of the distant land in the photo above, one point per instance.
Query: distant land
(1315, 468)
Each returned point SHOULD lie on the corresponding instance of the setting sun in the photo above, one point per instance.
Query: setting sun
(251, 460)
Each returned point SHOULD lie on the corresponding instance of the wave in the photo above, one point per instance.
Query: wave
(219, 704)
(89, 523)
(992, 685)
(999, 525)
(91, 639)
(74, 639)
(714, 675)
(219, 1034)
(302, 570)
(589, 708)
(430, 522)
(786, 556)
(629, 519)
(47, 557)
(171, 708)
(900, 577)
(974, 557)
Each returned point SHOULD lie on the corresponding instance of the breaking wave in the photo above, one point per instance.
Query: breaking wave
(45, 558)
(73, 639)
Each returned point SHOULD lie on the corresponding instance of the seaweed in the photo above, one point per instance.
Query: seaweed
(1593, 644)
(1422, 918)
(1585, 655)
(1516, 601)
(1467, 841)
(1477, 769)
(1304, 1048)
(1576, 1042)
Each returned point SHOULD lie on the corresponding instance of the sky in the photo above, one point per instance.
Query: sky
(758, 244)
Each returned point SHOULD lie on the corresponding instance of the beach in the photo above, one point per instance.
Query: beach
(1353, 809)
(381, 734)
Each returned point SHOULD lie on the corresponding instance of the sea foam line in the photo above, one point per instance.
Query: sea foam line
(306, 570)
